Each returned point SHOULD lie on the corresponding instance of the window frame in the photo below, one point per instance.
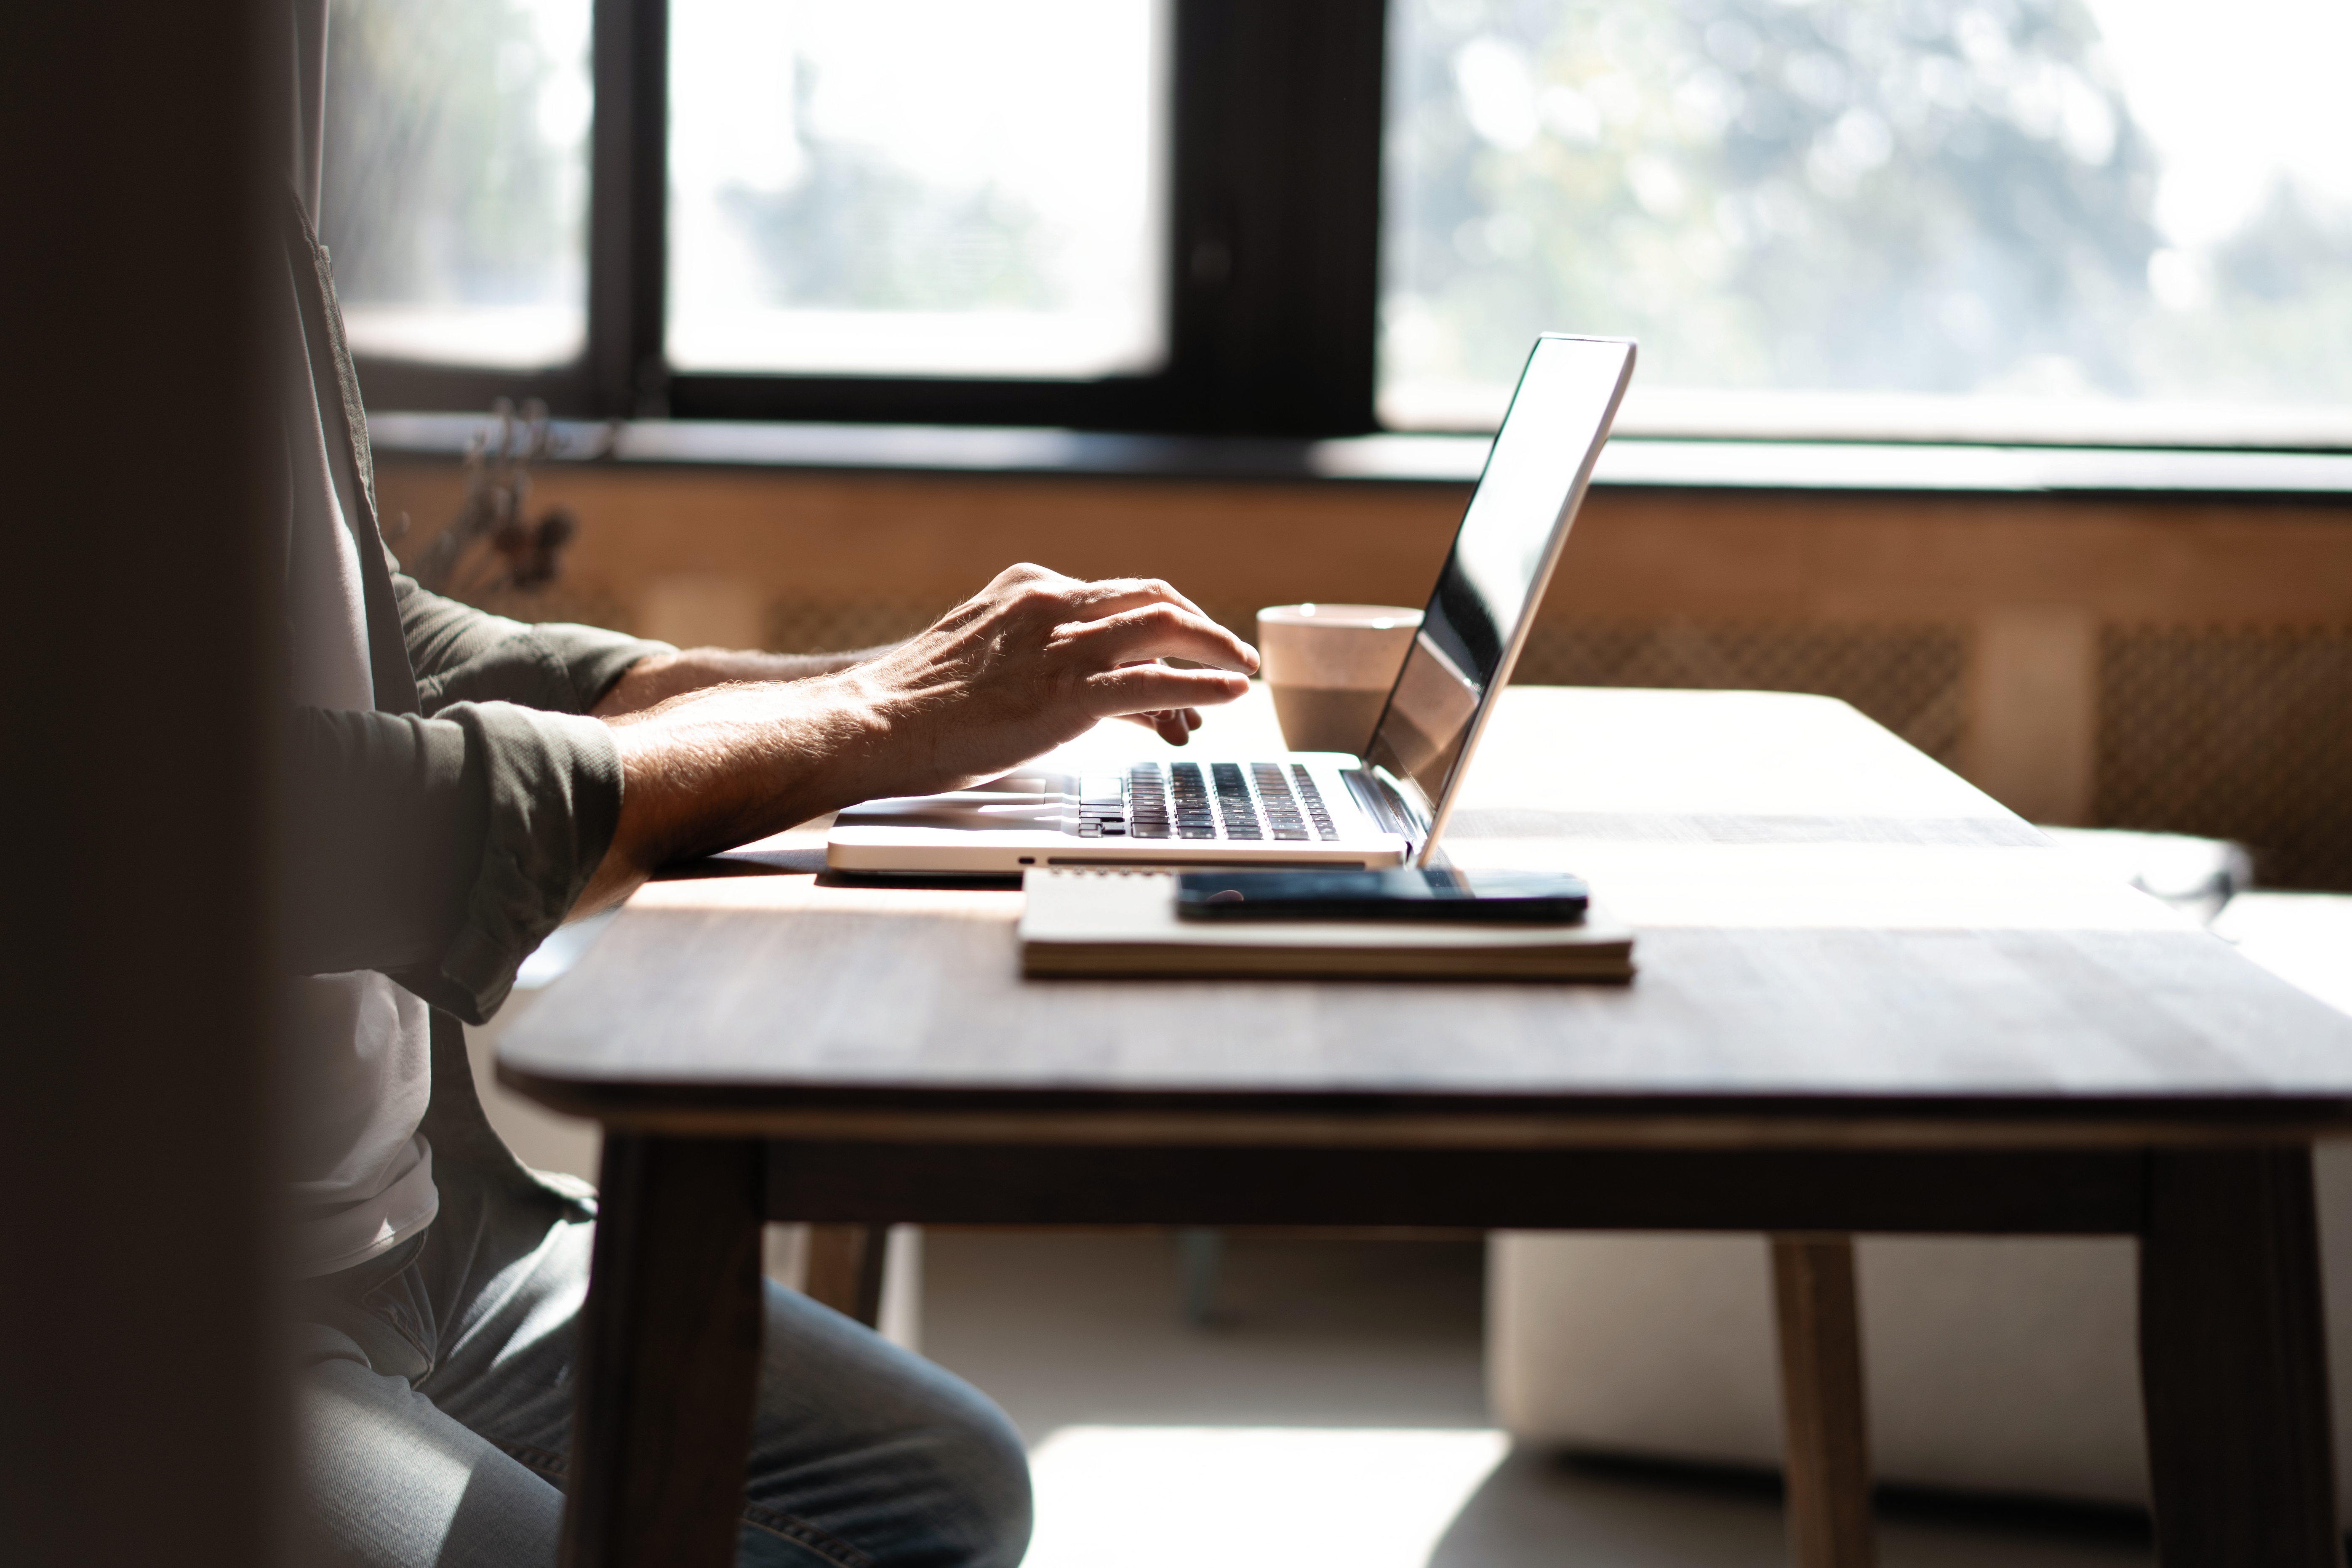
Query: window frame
(1272, 269)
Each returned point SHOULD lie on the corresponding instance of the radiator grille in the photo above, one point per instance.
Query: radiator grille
(2234, 732)
(1910, 677)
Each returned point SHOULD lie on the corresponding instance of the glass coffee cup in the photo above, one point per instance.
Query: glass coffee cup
(1329, 668)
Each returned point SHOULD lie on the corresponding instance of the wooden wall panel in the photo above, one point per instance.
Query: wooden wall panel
(815, 537)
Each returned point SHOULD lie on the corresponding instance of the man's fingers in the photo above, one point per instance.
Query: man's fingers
(1145, 617)
(1174, 726)
(1113, 594)
(1155, 688)
(1169, 727)
(1163, 631)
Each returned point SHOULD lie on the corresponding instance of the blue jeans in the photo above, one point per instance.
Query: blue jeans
(435, 1406)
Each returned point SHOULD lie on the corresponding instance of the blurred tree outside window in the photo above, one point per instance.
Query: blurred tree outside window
(1999, 219)
(456, 187)
(919, 187)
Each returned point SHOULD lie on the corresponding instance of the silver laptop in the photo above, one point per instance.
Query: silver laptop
(1309, 808)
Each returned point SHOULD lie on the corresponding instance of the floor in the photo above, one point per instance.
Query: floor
(1330, 1411)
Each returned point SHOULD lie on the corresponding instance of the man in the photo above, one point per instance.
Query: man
(459, 785)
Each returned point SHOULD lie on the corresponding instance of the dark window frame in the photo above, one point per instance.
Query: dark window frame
(1273, 263)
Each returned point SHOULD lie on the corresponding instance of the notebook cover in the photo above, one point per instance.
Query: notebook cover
(1106, 923)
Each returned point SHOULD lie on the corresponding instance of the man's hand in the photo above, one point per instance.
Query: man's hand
(1035, 659)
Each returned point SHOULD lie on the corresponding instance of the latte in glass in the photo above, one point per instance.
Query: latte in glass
(1329, 669)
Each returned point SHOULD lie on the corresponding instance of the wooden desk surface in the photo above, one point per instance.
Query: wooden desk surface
(1840, 944)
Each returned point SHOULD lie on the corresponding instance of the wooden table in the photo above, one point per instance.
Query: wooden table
(1871, 1000)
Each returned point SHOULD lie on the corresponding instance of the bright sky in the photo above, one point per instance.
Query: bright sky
(1056, 107)
(2233, 94)
(960, 94)
(565, 99)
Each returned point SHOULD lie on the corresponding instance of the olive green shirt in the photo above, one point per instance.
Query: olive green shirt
(446, 800)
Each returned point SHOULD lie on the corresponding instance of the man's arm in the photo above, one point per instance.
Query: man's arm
(439, 851)
(657, 677)
(660, 676)
(461, 654)
(1035, 659)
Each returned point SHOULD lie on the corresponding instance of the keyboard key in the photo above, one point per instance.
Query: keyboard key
(1234, 803)
(1313, 800)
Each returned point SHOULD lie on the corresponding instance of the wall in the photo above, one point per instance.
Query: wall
(2083, 659)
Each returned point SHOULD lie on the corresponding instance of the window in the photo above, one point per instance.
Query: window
(893, 187)
(457, 158)
(2029, 216)
(2055, 220)
(1139, 214)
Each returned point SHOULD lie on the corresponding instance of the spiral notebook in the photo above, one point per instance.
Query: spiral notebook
(1107, 923)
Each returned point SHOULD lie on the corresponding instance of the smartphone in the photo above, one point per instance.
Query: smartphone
(1402, 893)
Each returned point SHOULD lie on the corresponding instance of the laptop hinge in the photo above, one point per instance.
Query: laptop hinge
(1385, 806)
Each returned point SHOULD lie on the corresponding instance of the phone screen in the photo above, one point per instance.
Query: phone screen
(1402, 893)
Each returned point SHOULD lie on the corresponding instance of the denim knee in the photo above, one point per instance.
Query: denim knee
(866, 1454)
(987, 1465)
(951, 1491)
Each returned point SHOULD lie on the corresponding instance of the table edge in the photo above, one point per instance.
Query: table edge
(1457, 1120)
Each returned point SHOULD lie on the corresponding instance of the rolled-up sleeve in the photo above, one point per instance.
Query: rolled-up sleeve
(442, 851)
(461, 654)
(441, 848)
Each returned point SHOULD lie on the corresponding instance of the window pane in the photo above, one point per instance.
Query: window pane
(455, 199)
(2019, 217)
(917, 187)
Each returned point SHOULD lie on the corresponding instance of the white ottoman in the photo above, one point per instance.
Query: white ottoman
(1999, 1365)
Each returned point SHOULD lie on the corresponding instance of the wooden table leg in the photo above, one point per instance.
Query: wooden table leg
(845, 1269)
(1827, 1437)
(668, 1357)
(2233, 1362)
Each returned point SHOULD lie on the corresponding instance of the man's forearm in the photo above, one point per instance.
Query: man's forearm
(664, 676)
(723, 766)
(1032, 660)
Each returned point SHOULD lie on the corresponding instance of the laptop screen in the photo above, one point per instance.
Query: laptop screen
(1518, 516)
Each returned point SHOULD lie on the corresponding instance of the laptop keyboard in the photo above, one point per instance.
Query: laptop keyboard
(1239, 801)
